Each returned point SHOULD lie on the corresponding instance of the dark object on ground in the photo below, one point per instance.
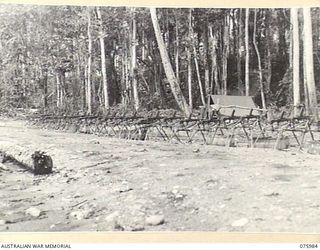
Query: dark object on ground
(42, 163)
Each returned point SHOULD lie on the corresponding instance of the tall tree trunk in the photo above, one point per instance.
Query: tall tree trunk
(127, 94)
(239, 47)
(206, 60)
(62, 87)
(177, 48)
(123, 77)
(81, 79)
(45, 88)
(215, 86)
(289, 36)
(263, 99)
(103, 62)
(198, 75)
(247, 84)
(84, 87)
(189, 62)
(122, 73)
(134, 62)
(58, 102)
(74, 76)
(296, 58)
(88, 90)
(268, 48)
(305, 86)
(225, 54)
(308, 53)
(189, 78)
(195, 58)
(167, 65)
(23, 77)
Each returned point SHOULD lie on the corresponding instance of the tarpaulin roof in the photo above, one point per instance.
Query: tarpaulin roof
(227, 103)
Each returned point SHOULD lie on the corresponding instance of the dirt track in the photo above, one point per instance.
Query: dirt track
(110, 184)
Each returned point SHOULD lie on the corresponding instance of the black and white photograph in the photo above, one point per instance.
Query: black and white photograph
(147, 119)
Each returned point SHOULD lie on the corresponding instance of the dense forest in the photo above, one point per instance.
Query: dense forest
(73, 59)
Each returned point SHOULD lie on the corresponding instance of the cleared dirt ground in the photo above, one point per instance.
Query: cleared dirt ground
(106, 184)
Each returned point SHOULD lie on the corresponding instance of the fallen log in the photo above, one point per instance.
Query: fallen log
(36, 161)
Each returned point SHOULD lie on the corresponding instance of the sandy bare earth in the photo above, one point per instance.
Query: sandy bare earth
(108, 184)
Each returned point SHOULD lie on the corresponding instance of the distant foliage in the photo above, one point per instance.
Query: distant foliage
(44, 56)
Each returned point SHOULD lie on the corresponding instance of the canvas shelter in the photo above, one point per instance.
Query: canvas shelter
(236, 105)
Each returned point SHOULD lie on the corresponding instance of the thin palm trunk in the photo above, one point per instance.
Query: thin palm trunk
(103, 62)
(189, 79)
(225, 55)
(309, 64)
(89, 89)
(296, 58)
(126, 74)
(247, 85)
(177, 49)
(263, 99)
(215, 86)
(239, 71)
(198, 75)
(44, 72)
(195, 58)
(134, 63)
(175, 87)
(206, 61)
(189, 63)
(268, 47)
(58, 90)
